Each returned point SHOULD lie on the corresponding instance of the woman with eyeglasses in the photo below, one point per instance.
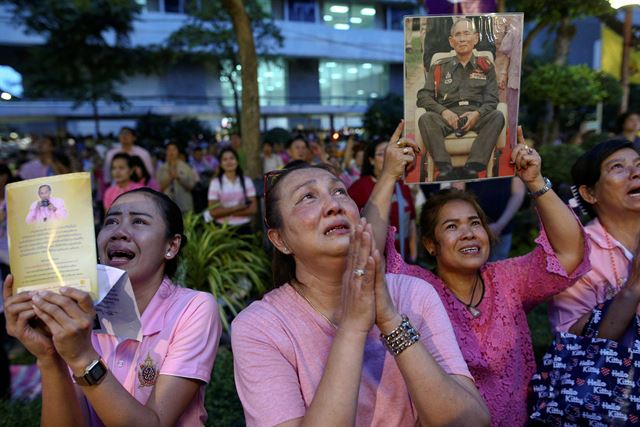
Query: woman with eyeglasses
(338, 342)
(487, 302)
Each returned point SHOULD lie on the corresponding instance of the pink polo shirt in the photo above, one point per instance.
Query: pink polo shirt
(610, 263)
(181, 331)
(115, 190)
(281, 345)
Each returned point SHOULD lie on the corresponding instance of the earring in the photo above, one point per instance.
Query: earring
(168, 253)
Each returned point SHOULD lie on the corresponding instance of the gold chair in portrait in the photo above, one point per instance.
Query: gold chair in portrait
(458, 147)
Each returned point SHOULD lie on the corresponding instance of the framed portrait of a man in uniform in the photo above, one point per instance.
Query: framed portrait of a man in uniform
(462, 85)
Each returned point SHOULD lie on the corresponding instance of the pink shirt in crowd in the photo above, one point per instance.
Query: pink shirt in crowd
(40, 213)
(497, 345)
(229, 195)
(608, 260)
(181, 330)
(281, 345)
(115, 190)
(136, 150)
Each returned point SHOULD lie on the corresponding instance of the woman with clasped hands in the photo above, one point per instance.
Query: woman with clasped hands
(158, 381)
(487, 302)
(311, 351)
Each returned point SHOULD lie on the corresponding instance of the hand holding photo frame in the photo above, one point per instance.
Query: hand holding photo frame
(462, 84)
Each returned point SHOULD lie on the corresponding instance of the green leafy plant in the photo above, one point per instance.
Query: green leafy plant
(557, 161)
(217, 260)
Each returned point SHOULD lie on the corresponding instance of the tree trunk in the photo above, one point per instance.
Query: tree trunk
(250, 124)
(564, 35)
(96, 119)
(236, 100)
(526, 44)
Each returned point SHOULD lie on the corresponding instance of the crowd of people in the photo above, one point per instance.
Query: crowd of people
(355, 331)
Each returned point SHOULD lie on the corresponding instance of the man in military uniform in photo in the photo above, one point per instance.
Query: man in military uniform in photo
(460, 95)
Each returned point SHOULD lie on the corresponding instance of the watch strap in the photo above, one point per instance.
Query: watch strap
(547, 186)
(94, 373)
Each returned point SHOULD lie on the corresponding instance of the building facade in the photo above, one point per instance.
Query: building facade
(336, 57)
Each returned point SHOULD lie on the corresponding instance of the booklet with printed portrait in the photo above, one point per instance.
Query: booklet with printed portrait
(51, 233)
(461, 87)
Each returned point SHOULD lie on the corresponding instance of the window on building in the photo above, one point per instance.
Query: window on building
(302, 10)
(272, 79)
(346, 83)
(344, 15)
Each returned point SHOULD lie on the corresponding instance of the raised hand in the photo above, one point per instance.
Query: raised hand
(22, 321)
(527, 161)
(358, 298)
(69, 315)
(399, 153)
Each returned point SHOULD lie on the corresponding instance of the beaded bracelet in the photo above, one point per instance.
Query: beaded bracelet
(401, 338)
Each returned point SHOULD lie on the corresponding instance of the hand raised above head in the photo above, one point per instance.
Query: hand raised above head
(400, 153)
(22, 322)
(527, 161)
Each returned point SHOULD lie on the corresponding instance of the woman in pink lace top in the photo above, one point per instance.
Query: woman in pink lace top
(487, 303)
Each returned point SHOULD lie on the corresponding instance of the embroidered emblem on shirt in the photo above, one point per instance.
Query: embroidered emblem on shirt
(147, 373)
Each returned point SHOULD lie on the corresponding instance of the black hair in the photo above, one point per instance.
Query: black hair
(295, 138)
(131, 130)
(137, 161)
(43, 186)
(239, 172)
(283, 266)
(370, 153)
(586, 170)
(172, 217)
(126, 158)
(621, 119)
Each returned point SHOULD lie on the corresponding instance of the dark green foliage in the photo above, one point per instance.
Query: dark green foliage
(217, 260)
(551, 12)
(568, 86)
(557, 161)
(154, 130)
(20, 414)
(221, 400)
(209, 36)
(383, 116)
(86, 53)
(540, 328)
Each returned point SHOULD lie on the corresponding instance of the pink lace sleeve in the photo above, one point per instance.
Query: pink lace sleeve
(539, 275)
(395, 263)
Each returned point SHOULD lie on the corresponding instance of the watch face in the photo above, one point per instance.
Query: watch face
(96, 373)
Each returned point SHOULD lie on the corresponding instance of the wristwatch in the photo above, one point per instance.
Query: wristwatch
(547, 186)
(93, 374)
